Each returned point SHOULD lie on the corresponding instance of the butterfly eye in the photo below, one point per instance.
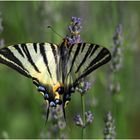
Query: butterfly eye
(60, 90)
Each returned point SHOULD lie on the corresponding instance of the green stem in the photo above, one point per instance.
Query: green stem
(83, 115)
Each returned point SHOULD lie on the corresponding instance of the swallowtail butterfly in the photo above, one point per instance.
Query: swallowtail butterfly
(56, 70)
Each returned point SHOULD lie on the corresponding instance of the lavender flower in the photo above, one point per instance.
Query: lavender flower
(109, 130)
(56, 115)
(1, 29)
(118, 36)
(116, 61)
(57, 119)
(78, 121)
(114, 85)
(74, 29)
(88, 119)
(83, 87)
(61, 124)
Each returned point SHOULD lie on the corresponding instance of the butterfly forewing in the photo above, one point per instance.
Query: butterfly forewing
(34, 60)
(49, 63)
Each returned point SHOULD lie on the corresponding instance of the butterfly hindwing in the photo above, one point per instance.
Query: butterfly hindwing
(33, 60)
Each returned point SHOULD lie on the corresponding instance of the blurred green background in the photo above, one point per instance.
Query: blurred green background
(20, 103)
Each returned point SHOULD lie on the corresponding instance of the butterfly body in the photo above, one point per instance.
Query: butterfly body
(56, 70)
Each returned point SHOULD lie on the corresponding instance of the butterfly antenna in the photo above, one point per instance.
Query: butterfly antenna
(55, 31)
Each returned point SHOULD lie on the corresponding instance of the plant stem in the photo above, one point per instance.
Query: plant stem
(83, 115)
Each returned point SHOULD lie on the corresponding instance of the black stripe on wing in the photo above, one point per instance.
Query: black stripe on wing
(35, 47)
(86, 55)
(63, 60)
(75, 56)
(35, 81)
(70, 51)
(102, 58)
(103, 54)
(43, 54)
(83, 47)
(54, 53)
(27, 53)
(95, 47)
(8, 58)
(56, 58)
(17, 47)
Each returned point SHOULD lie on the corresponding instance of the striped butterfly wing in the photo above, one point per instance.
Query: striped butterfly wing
(84, 58)
(33, 60)
(48, 64)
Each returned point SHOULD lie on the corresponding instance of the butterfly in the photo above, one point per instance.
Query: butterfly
(56, 70)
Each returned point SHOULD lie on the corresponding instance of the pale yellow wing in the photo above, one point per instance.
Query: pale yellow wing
(33, 60)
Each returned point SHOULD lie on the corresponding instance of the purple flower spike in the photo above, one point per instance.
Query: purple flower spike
(1, 30)
(87, 86)
(76, 20)
(74, 29)
(78, 121)
(89, 117)
(83, 87)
